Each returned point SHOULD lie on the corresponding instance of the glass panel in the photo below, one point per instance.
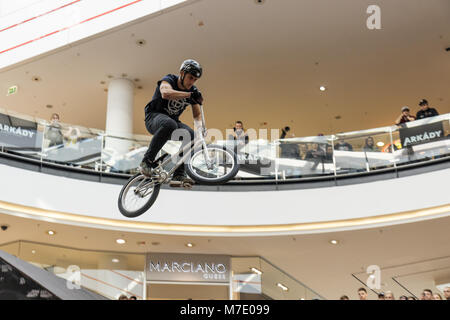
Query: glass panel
(123, 155)
(363, 151)
(71, 145)
(273, 282)
(107, 273)
(305, 157)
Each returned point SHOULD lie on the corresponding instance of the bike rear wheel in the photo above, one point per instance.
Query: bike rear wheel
(137, 195)
(223, 165)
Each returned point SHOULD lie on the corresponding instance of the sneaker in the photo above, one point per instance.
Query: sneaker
(181, 179)
(146, 167)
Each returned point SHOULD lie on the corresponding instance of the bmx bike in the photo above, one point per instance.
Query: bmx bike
(205, 164)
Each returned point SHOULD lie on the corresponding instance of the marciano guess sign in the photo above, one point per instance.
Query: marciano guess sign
(188, 268)
(421, 134)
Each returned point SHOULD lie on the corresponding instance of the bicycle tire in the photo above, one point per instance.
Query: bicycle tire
(212, 181)
(145, 207)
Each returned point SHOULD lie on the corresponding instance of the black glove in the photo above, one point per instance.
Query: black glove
(196, 97)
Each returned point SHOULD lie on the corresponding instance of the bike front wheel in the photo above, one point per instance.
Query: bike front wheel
(137, 195)
(217, 165)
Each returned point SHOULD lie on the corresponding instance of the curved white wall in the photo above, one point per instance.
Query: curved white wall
(31, 28)
(261, 208)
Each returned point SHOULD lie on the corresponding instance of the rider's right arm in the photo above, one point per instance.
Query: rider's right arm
(168, 93)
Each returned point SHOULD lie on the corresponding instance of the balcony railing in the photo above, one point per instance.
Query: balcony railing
(284, 159)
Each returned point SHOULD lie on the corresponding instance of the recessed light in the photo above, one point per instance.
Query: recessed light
(141, 42)
(115, 260)
(33, 251)
(380, 143)
(282, 286)
(256, 271)
(322, 88)
(120, 241)
(260, 1)
(51, 232)
(140, 243)
(334, 241)
(49, 106)
(189, 245)
(155, 243)
(35, 79)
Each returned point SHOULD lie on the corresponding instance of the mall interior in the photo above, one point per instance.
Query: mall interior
(338, 188)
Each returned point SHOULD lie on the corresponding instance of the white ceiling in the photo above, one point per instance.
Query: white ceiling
(417, 254)
(263, 64)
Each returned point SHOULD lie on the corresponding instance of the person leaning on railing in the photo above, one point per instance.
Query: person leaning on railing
(53, 133)
(425, 111)
(404, 116)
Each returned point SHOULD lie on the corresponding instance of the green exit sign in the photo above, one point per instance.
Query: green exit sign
(12, 90)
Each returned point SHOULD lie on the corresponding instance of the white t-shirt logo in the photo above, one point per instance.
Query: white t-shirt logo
(176, 106)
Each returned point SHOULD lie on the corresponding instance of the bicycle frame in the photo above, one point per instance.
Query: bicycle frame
(186, 151)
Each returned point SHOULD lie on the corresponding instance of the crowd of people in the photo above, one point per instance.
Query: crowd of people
(323, 152)
(427, 294)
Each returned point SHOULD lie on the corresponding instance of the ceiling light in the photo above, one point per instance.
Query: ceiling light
(189, 245)
(380, 143)
(120, 241)
(141, 42)
(283, 287)
(322, 88)
(260, 1)
(256, 271)
(51, 232)
(334, 241)
(33, 251)
(115, 260)
(141, 243)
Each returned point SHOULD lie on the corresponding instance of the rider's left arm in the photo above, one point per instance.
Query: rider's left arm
(197, 115)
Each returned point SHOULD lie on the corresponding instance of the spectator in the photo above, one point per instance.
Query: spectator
(425, 111)
(284, 132)
(381, 296)
(389, 295)
(329, 154)
(404, 116)
(132, 298)
(362, 293)
(344, 297)
(427, 294)
(343, 146)
(447, 293)
(437, 296)
(53, 133)
(315, 153)
(403, 298)
(123, 297)
(412, 298)
(239, 134)
(72, 136)
(370, 145)
(288, 150)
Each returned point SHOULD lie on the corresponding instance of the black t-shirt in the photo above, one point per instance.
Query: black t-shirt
(172, 108)
(430, 112)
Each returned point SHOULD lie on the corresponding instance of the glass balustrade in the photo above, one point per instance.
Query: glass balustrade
(260, 159)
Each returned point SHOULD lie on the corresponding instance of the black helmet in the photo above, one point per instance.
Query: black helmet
(192, 67)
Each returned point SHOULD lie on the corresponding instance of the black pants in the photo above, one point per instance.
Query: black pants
(162, 127)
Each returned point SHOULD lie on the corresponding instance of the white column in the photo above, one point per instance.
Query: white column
(119, 115)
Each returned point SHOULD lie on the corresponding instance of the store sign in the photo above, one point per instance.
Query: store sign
(17, 132)
(188, 267)
(421, 134)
